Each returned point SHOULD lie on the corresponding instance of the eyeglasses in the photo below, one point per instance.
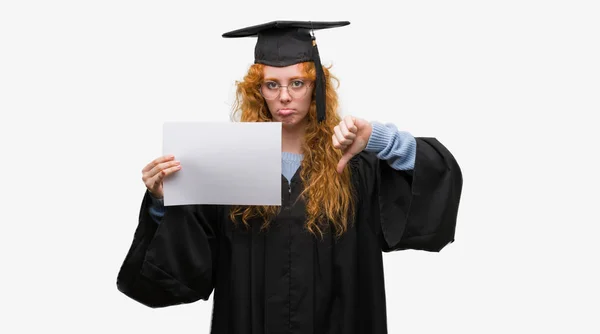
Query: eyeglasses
(270, 90)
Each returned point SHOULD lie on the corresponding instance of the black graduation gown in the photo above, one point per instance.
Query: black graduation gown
(285, 280)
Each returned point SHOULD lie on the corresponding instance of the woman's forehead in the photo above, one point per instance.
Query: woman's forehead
(287, 72)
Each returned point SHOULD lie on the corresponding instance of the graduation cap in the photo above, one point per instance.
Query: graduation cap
(284, 43)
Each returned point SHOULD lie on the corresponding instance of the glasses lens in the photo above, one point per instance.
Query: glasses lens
(298, 88)
(269, 90)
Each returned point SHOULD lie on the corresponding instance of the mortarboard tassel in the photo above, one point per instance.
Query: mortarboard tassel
(319, 83)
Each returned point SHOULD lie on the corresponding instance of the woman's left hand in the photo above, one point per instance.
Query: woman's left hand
(351, 136)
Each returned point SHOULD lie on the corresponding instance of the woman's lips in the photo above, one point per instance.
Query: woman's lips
(285, 112)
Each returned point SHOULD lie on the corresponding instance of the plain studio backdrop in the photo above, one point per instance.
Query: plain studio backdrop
(510, 87)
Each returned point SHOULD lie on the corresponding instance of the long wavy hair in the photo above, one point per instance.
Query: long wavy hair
(329, 196)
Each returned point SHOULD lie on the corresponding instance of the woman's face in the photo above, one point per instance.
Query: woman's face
(288, 105)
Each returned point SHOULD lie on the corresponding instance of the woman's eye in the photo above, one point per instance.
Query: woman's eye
(271, 85)
(297, 83)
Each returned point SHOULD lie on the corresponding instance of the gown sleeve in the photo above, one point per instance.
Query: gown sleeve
(413, 209)
(172, 262)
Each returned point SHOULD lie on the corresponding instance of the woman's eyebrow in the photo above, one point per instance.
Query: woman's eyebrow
(290, 79)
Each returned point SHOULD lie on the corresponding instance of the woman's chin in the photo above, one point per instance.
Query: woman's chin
(287, 120)
(291, 121)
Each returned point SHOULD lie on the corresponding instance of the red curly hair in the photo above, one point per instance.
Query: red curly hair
(328, 195)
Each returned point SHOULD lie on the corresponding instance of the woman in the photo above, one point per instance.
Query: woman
(350, 190)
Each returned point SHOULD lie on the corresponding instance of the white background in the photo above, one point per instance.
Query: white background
(510, 87)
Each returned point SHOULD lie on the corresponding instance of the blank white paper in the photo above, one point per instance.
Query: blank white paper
(237, 163)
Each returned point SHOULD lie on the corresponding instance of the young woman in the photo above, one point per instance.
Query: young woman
(350, 190)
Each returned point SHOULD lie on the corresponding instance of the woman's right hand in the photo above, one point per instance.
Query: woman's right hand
(154, 173)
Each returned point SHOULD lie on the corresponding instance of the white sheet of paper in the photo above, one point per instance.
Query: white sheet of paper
(223, 163)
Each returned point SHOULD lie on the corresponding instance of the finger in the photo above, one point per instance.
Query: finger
(347, 134)
(162, 166)
(343, 162)
(350, 123)
(340, 137)
(336, 143)
(168, 171)
(156, 161)
(159, 177)
(149, 176)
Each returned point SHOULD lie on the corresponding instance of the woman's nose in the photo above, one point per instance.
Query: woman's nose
(284, 95)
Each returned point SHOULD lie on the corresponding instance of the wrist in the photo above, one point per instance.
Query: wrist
(379, 137)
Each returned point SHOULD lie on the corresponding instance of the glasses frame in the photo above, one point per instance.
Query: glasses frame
(308, 83)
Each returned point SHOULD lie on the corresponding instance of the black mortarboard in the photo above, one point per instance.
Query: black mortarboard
(284, 43)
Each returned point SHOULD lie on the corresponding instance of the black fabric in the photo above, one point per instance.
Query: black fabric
(283, 25)
(285, 43)
(284, 280)
(319, 84)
